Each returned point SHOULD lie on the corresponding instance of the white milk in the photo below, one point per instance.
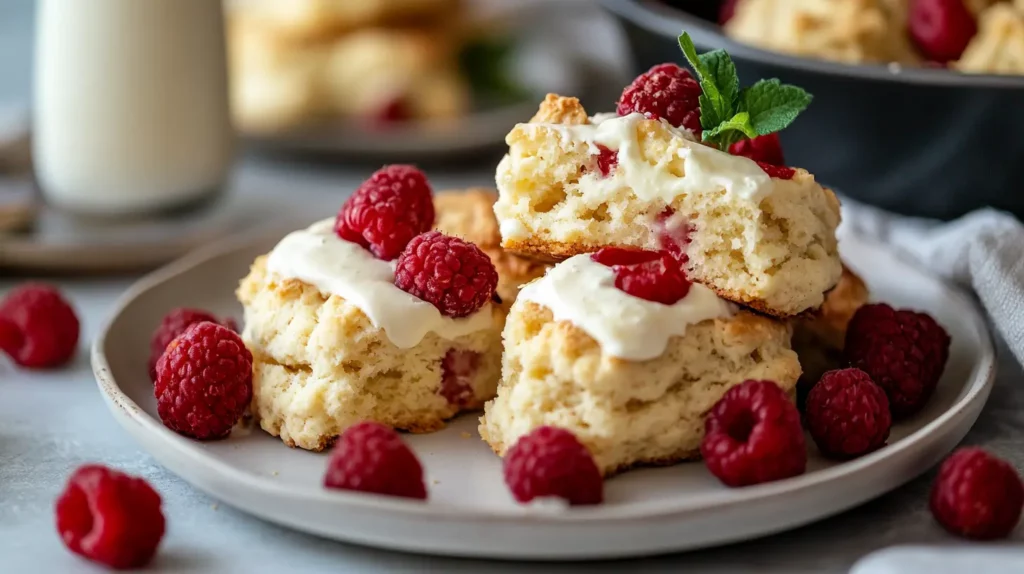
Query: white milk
(131, 104)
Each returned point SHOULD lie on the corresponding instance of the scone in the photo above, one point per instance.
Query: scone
(998, 48)
(851, 31)
(819, 337)
(335, 342)
(469, 214)
(633, 379)
(572, 184)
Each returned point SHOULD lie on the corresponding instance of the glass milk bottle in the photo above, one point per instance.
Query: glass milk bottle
(131, 104)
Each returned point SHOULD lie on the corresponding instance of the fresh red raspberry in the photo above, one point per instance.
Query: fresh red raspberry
(726, 11)
(847, 414)
(607, 159)
(38, 328)
(371, 457)
(174, 324)
(903, 351)
(667, 92)
(387, 211)
(753, 435)
(977, 495)
(941, 28)
(457, 370)
(393, 111)
(777, 171)
(762, 149)
(550, 461)
(110, 517)
(204, 381)
(453, 275)
(650, 275)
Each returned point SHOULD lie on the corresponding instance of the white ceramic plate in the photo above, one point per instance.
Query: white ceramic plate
(470, 512)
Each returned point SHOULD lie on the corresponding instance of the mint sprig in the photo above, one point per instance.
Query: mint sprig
(729, 113)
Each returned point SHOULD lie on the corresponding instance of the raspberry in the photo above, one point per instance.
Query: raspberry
(777, 171)
(174, 324)
(753, 435)
(977, 495)
(110, 517)
(387, 211)
(847, 414)
(607, 159)
(673, 234)
(651, 275)
(457, 370)
(453, 275)
(762, 149)
(393, 111)
(941, 28)
(903, 351)
(550, 461)
(726, 11)
(38, 328)
(204, 382)
(371, 457)
(667, 92)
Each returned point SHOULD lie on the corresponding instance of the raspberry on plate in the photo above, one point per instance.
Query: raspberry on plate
(110, 517)
(371, 457)
(387, 211)
(847, 414)
(667, 92)
(903, 351)
(651, 275)
(941, 28)
(550, 461)
(173, 324)
(762, 149)
(977, 495)
(453, 275)
(204, 382)
(753, 435)
(38, 328)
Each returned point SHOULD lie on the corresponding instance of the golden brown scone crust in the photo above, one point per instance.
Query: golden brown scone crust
(819, 337)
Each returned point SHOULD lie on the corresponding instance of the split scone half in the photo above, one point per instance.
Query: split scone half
(632, 379)
(335, 342)
(573, 184)
(819, 337)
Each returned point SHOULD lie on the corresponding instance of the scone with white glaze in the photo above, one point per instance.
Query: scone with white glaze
(633, 379)
(336, 342)
(572, 184)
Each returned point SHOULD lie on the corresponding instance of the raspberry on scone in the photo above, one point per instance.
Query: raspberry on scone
(38, 327)
(453, 275)
(550, 461)
(847, 414)
(204, 382)
(650, 275)
(977, 495)
(173, 324)
(387, 211)
(110, 517)
(371, 457)
(903, 351)
(762, 149)
(667, 92)
(753, 435)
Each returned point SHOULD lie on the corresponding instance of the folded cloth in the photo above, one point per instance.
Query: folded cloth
(982, 251)
(936, 560)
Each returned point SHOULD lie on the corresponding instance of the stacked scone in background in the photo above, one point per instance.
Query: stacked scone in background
(374, 61)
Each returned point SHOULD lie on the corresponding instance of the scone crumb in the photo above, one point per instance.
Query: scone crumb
(465, 434)
(557, 109)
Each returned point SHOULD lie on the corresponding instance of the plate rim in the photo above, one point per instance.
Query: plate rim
(117, 399)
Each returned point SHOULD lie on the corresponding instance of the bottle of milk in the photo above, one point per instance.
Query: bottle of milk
(131, 104)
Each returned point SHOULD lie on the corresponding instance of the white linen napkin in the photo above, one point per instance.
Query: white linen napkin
(982, 251)
(934, 560)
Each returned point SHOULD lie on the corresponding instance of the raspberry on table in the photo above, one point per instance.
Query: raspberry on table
(457, 370)
(651, 275)
(371, 457)
(977, 495)
(762, 149)
(941, 29)
(753, 435)
(903, 351)
(847, 414)
(387, 211)
(110, 517)
(173, 324)
(38, 327)
(204, 382)
(452, 274)
(550, 461)
(667, 92)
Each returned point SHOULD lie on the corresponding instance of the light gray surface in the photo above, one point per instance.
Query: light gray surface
(52, 422)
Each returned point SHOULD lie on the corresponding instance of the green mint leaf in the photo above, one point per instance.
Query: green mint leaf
(773, 105)
(721, 135)
(714, 109)
(719, 66)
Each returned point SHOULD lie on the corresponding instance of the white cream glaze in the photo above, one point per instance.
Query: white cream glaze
(337, 267)
(583, 292)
